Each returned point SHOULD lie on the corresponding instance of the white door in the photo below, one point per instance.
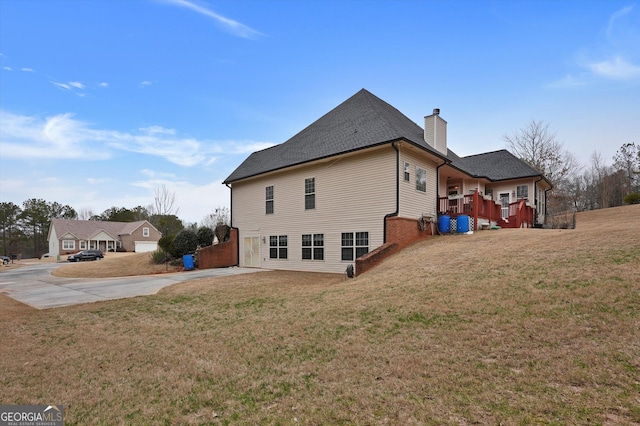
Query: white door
(251, 252)
(504, 201)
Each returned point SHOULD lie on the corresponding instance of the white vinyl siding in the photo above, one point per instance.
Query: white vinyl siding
(343, 195)
(413, 203)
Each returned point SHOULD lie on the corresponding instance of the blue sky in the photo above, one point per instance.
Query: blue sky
(103, 101)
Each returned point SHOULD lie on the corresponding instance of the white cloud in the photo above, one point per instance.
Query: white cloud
(569, 81)
(615, 58)
(71, 85)
(59, 136)
(146, 83)
(61, 85)
(6, 68)
(616, 16)
(27, 69)
(152, 130)
(63, 136)
(94, 181)
(233, 27)
(103, 84)
(154, 174)
(247, 147)
(616, 68)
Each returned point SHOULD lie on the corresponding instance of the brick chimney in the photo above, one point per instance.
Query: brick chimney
(435, 131)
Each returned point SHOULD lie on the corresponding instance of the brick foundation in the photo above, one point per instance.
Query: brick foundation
(401, 232)
(404, 231)
(221, 255)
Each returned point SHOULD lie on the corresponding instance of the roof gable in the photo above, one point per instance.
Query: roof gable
(362, 121)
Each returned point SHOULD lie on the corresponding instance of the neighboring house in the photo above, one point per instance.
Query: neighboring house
(365, 180)
(69, 236)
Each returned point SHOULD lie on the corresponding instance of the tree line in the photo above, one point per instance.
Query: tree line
(575, 186)
(24, 228)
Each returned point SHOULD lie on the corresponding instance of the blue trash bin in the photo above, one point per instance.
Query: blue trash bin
(187, 261)
(462, 224)
(444, 224)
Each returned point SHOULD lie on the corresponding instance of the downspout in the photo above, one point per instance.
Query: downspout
(535, 190)
(395, 213)
(231, 220)
(545, 201)
(438, 188)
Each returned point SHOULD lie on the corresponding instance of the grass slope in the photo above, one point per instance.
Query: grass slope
(515, 326)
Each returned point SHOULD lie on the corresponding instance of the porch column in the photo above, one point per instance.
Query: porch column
(476, 208)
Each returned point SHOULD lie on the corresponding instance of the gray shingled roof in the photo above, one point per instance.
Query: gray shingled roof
(496, 166)
(362, 121)
(87, 229)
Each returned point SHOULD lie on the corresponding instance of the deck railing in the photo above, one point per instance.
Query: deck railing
(476, 206)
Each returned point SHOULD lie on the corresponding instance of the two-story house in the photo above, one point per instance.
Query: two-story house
(362, 177)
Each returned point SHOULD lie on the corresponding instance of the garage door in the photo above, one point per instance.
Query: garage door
(144, 246)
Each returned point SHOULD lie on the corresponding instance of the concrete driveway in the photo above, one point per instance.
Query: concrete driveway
(34, 285)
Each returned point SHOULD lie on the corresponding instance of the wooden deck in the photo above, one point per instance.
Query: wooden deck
(517, 215)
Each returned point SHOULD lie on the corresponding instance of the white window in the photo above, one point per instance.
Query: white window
(145, 232)
(407, 176)
(83, 245)
(523, 192)
(278, 247)
(68, 244)
(313, 246)
(269, 199)
(360, 247)
(421, 180)
(310, 193)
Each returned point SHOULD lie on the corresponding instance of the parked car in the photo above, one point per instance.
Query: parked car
(85, 255)
(5, 260)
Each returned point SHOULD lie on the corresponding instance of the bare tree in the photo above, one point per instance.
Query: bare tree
(85, 214)
(538, 146)
(220, 216)
(163, 213)
(163, 202)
